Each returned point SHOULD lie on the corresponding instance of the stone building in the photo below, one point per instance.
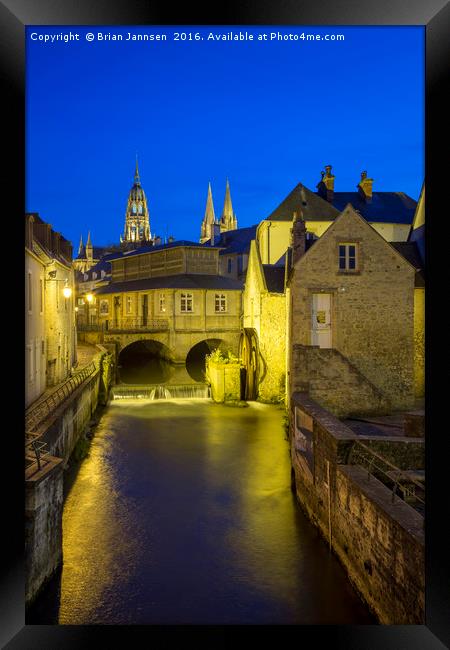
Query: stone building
(263, 344)
(137, 217)
(389, 213)
(351, 303)
(173, 297)
(235, 250)
(50, 321)
(87, 256)
(227, 221)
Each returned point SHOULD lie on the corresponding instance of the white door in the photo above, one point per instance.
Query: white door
(321, 333)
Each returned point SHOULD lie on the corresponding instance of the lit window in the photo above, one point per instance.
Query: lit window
(94, 275)
(348, 260)
(162, 302)
(220, 302)
(104, 306)
(186, 302)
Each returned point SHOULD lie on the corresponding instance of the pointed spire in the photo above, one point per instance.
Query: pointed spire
(210, 217)
(228, 219)
(137, 180)
(89, 243)
(80, 247)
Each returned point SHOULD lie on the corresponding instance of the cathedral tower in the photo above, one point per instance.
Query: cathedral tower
(137, 221)
(209, 219)
(228, 219)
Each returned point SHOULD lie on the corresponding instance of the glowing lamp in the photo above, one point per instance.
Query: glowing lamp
(67, 292)
(89, 297)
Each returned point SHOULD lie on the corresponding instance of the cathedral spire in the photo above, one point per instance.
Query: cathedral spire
(80, 247)
(89, 247)
(209, 219)
(137, 219)
(137, 179)
(228, 219)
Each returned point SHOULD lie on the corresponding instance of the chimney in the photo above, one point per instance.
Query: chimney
(365, 187)
(215, 233)
(326, 186)
(298, 239)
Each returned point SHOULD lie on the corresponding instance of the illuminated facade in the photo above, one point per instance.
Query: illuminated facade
(212, 227)
(50, 317)
(137, 219)
(389, 213)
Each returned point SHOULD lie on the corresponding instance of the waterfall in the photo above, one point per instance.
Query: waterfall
(154, 392)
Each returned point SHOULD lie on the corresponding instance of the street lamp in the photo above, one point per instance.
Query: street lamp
(67, 290)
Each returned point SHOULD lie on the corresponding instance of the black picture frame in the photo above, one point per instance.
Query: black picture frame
(435, 16)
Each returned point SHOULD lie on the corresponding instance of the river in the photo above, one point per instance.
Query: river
(183, 514)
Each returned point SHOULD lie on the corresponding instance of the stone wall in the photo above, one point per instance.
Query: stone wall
(419, 342)
(372, 308)
(379, 542)
(335, 383)
(272, 347)
(44, 490)
(225, 380)
(265, 313)
(43, 526)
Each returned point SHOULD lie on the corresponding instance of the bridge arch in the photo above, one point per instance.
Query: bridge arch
(196, 357)
(145, 361)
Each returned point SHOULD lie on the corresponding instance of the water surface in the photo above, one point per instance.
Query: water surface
(183, 514)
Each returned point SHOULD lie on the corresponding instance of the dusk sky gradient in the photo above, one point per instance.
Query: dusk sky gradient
(267, 115)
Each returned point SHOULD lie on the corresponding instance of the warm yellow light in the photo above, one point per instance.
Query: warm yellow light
(76, 308)
(89, 297)
(67, 292)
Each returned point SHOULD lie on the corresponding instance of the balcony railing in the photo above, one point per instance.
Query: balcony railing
(38, 412)
(125, 324)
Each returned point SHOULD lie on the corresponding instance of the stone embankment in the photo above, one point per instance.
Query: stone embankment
(54, 424)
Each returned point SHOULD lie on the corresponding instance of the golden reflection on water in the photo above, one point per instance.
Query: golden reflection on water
(96, 548)
(264, 525)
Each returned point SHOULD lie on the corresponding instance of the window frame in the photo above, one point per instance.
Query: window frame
(347, 257)
(186, 301)
(220, 300)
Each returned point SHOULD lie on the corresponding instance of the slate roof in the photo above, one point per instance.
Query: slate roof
(274, 276)
(151, 249)
(385, 207)
(182, 281)
(418, 236)
(316, 208)
(235, 241)
(410, 251)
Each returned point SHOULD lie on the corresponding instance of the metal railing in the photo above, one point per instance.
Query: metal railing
(37, 413)
(35, 452)
(401, 483)
(123, 324)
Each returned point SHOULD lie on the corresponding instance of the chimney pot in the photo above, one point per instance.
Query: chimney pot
(326, 185)
(365, 187)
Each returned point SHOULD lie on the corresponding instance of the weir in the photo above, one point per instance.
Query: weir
(159, 391)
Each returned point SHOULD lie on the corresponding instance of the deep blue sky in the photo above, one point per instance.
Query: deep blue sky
(265, 114)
